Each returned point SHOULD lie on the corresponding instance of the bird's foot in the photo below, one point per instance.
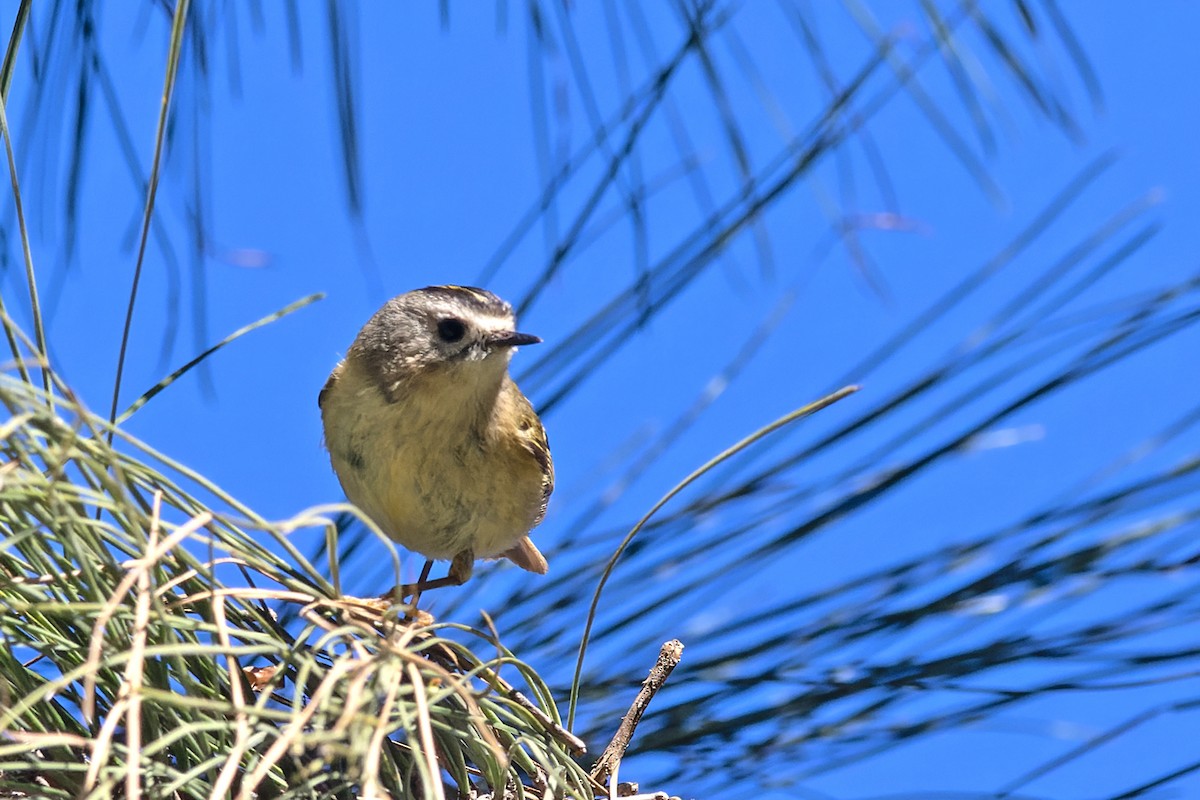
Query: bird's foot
(375, 607)
(460, 572)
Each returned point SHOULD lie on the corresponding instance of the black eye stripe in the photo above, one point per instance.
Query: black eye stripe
(451, 329)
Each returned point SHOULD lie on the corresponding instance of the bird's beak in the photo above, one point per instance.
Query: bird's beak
(512, 339)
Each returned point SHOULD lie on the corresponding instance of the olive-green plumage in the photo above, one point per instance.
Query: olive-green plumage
(429, 435)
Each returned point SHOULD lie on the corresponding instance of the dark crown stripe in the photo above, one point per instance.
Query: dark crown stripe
(481, 299)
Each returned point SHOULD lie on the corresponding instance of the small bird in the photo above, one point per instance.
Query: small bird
(432, 439)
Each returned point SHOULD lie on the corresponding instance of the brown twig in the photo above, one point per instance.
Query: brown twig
(668, 658)
(563, 736)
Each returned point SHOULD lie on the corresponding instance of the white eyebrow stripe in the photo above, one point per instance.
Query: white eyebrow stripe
(486, 321)
(495, 324)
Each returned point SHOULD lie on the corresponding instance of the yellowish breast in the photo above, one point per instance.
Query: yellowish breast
(435, 473)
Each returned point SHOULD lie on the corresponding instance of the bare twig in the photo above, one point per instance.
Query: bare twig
(560, 734)
(668, 658)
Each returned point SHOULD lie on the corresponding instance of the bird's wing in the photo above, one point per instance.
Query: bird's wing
(533, 439)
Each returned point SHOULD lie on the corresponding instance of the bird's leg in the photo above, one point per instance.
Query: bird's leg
(460, 572)
(403, 590)
(462, 567)
(416, 592)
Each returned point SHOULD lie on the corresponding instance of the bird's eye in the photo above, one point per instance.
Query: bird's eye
(451, 329)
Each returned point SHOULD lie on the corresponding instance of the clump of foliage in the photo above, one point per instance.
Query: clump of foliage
(142, 650)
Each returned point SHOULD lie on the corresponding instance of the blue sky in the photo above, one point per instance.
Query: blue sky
(450, 163)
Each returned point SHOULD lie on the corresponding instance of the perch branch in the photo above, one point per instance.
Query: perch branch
(668, 658)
